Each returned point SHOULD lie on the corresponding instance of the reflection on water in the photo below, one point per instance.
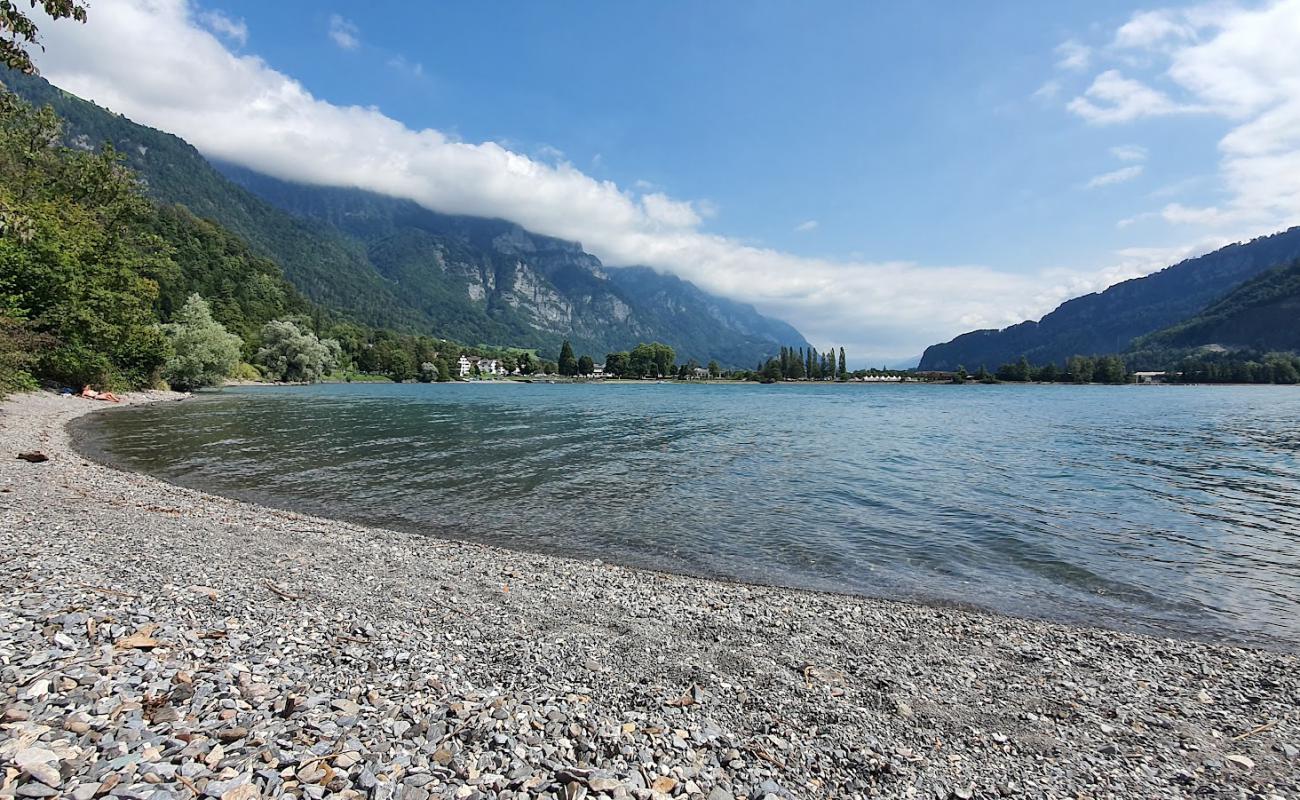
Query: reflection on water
(1168, 509)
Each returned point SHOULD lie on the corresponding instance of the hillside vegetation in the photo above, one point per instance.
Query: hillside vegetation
(1109, 321)
(389, 263)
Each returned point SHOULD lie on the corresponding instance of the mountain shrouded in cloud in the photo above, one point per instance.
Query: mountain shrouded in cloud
(193, 71)
(156, 62)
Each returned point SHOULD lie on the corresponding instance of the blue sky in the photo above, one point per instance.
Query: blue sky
(906, 131)
(882, 175)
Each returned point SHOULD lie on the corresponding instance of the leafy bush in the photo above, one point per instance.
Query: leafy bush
(244, 371)
(203, 352)
(289, 353)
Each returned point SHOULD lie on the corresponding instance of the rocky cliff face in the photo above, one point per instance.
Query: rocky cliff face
(493, 281)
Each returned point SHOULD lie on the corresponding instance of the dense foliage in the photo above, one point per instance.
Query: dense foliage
(646, 360)
(1282, 368)
(1262, 314)
(203, 352)
(90, 268)
(798, 364)
(289, 353)
(78, 262)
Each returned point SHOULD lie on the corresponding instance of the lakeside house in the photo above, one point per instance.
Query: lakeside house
(486, 366)
(598, 371)
(1150, 377)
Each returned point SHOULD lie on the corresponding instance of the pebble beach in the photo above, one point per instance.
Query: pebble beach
(159, 642)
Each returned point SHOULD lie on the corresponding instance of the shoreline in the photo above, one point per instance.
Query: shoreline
(92, 452)
(419, 666)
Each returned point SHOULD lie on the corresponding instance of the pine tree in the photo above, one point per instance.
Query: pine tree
(568, 364)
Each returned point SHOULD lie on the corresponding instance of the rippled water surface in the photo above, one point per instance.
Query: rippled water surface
(1165, 509)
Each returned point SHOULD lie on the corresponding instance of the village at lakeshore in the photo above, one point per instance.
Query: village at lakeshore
(162, 642)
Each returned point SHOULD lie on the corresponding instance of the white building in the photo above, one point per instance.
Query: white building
(486, 366)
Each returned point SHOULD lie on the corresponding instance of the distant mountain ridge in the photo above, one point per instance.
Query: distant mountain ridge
(392, 263)
(517, 283)
(1262, 315)
(1109, 321)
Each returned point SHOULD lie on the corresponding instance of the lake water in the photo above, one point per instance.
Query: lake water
(1164, 509)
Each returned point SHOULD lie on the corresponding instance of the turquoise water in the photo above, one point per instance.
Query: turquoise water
(1164, 509)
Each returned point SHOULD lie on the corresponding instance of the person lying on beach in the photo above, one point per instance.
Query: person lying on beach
(91, 394)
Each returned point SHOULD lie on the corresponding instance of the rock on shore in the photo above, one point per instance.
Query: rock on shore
(156, 642)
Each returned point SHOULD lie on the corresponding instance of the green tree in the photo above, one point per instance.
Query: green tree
(289, 353)
(567, 363)
(444, 370)
(18, 32)
(844, 369)
(715, 371)
(795, 369)
(203, 353)
(1080, 369)
(77, 263)
(586, 366)
(653, 360)
(961, 375)
(616, 364)
(1110, 369)
(527, 366)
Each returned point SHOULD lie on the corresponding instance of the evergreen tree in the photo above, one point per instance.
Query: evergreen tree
(568, 365)
(844, 369)
(808, 367)
(586, 366)
(796, 371)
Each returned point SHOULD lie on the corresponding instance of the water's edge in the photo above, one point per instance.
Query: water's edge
(86, 435)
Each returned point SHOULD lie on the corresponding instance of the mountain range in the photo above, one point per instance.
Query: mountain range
(1240, 296)
(390, 262)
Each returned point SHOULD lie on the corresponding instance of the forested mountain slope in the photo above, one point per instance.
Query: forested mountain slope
(1262, 314)
(1109, 321)
(392, 263)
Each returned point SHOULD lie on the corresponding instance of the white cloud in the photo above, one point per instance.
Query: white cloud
(1048, 91)
(152, 61)
(806, 226)
(1073, 55)
(1129, 152)
(1121, 175)
(401, 63)
(233, 29)
(1241, 65)
(344, 33)
(1112, 99)
(1147, 29)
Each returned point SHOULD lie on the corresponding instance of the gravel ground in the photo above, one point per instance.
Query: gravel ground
(160, 642)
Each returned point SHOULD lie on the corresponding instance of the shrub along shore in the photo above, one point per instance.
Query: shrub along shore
(160, 642)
